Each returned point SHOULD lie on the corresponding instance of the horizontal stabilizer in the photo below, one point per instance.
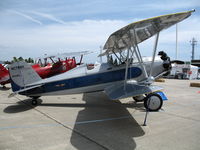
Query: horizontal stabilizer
(119, 92)
(24, 90)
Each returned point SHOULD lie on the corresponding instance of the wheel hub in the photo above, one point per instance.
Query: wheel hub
(154, 102)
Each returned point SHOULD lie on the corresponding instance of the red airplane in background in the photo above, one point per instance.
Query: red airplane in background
(4, 75)
(45, 69)
(48, 69)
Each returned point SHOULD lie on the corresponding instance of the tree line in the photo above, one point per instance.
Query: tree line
(15, 59)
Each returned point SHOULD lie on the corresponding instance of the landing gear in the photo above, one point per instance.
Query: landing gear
(139, 98)
(153, 102)
(34, 100)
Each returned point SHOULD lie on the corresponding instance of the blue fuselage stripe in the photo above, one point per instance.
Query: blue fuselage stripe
(88, 80)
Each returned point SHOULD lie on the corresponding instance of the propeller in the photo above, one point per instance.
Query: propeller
(166, 61)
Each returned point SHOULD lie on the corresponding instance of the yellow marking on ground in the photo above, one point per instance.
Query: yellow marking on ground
(160, 80)
(194, 84)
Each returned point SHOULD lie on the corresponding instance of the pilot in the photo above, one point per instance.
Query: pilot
(115, 62)
(110, 60)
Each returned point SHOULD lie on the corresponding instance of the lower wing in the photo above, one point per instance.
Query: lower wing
(121, 91)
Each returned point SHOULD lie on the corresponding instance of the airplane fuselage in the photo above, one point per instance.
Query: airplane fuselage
(83, 80)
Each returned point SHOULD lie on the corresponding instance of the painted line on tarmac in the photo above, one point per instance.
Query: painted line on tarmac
(102, 120)
(27, 126)
(76, 123)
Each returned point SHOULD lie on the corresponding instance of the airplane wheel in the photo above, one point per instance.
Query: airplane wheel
(139, 98)
(153, 102)
(34, 102)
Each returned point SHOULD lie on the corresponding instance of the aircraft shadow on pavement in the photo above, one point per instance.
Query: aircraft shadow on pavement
(138, 106)
(4, 88)
(114, 128)
(20, 106)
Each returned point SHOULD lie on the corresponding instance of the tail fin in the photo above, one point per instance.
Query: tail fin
(3, 70)
(21, 75)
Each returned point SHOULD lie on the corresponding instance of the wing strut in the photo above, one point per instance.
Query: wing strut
(154, 54)
(134, 48)
(138, 54)
(126, 72)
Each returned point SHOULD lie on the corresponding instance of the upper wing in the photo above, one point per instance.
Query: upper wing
(118, 91)
(137, 32)
(69, 54)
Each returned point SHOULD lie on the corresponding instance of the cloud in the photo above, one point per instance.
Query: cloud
(87, 35)
(48, 16)
(172, 5)
(56, 38)
(26, 16)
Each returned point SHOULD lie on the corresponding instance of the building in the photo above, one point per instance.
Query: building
(195, 62)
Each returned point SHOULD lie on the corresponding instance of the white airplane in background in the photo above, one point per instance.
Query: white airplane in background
(129, 75)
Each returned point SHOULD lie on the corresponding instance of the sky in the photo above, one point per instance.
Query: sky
(38, 27)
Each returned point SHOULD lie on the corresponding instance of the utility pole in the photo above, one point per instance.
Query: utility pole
(193, 43)
(101, 50)
(176, 41)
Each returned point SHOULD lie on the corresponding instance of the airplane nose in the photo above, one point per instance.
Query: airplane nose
(167, 65)
(166, 60)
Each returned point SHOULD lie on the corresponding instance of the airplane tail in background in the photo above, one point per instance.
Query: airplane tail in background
(3, 70)
(21, 75)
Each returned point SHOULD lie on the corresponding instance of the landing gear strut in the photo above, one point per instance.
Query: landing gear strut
(139, 98)
(34, 100)
(153, 102)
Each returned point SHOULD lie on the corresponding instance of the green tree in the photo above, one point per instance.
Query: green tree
(15, 59)
(20, 59)
(28, 60)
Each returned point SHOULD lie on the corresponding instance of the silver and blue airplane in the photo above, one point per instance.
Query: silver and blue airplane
(125, 74)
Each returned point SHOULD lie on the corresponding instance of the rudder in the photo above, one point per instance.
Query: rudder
(22, 74)
(3, 70)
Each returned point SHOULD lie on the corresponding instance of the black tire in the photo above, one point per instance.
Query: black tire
(139, 99)
(155, 100)
(34, 102)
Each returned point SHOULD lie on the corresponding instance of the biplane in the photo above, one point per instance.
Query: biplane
(49, 66)
(127, 75)
(55, 64)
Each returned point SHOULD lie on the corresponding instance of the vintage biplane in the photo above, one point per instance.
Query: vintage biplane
(128, 75)
(49, 65)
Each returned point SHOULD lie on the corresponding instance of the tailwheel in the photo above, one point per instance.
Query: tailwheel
(34, 100)
(153, 102)
(139, 98)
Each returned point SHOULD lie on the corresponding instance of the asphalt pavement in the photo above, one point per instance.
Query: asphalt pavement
(93, 122)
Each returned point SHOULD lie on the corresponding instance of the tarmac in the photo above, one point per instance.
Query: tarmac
(93, 122)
